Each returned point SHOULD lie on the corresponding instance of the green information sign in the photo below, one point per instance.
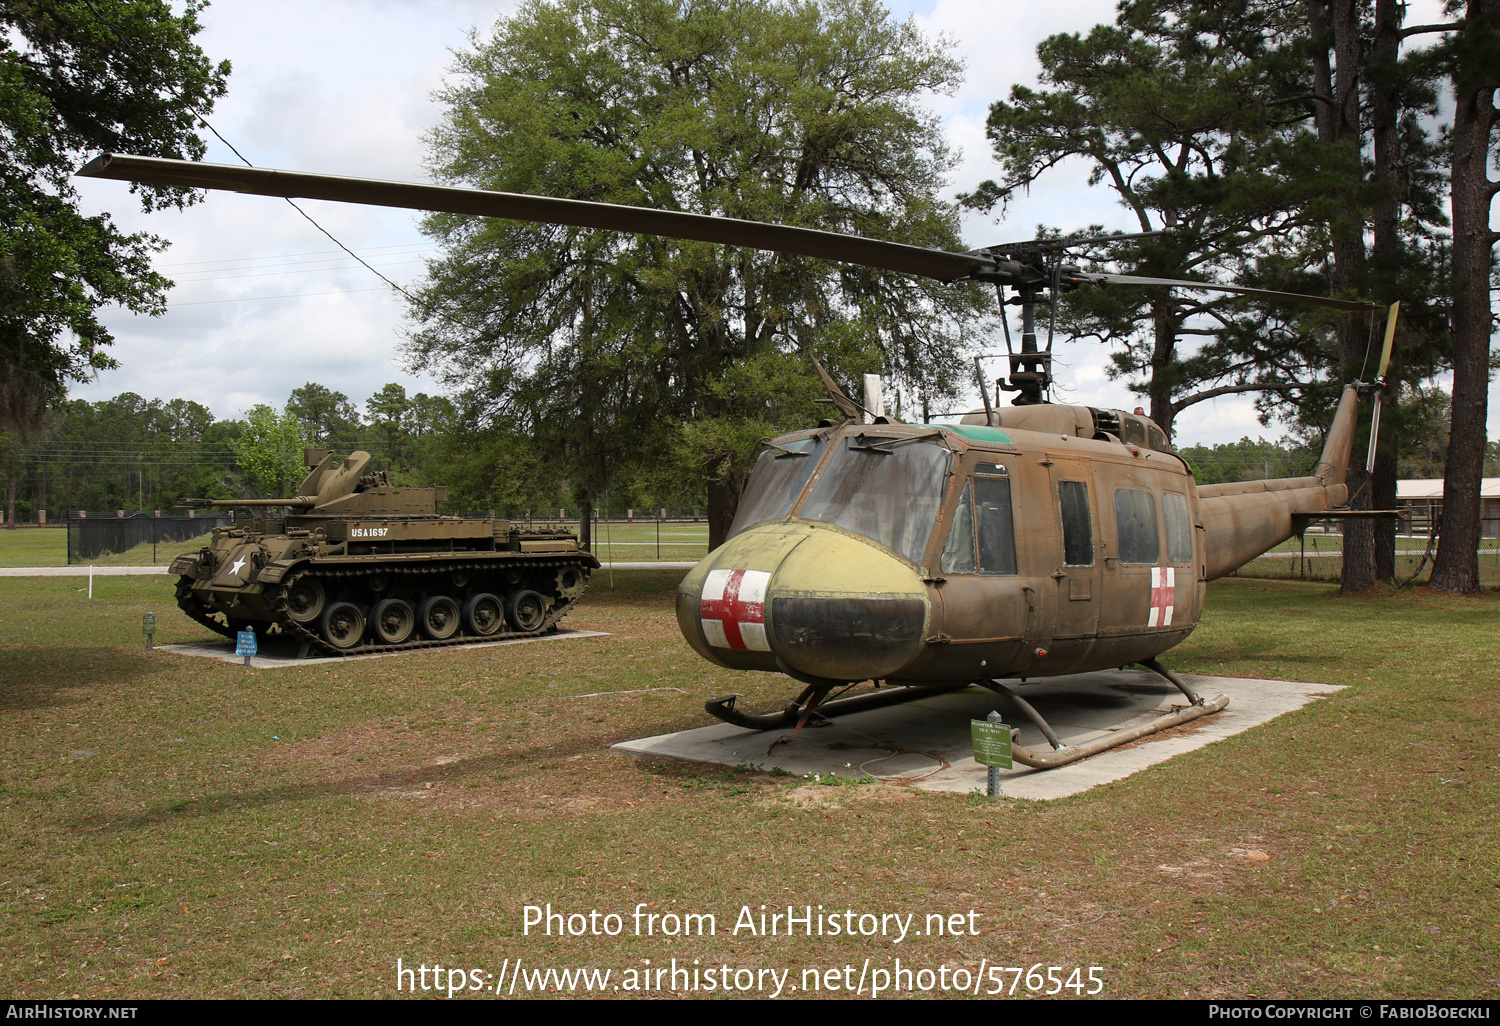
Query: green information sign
(991, 743)
(148, 623)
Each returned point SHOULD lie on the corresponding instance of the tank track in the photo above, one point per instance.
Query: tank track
(336, 578)
(190, 604)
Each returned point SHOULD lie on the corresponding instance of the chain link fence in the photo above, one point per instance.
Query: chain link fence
(138, 539)
(1319, 556)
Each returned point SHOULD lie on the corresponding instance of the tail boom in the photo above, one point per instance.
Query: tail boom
(1243, 519)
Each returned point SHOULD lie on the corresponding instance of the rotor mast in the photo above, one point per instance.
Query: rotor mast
(1031, 268)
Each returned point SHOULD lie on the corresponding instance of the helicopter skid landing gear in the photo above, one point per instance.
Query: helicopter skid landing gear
(1063, 755)
(724, 708)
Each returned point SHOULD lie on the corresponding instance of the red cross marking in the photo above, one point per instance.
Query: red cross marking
(1163, 596)
(730, 601)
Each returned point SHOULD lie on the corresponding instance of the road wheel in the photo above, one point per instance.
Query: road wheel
(526, 611)
(393, 620)
(438, 617)
(343, 625)
(483, 614)
(305, 599)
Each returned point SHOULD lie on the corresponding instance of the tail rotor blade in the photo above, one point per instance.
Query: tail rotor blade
(1380, 382)
(1374, 431)
(1390, 338)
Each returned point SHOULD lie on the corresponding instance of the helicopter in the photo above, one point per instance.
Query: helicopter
(1032, 542)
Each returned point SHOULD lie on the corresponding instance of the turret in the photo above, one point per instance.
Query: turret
(346, 491)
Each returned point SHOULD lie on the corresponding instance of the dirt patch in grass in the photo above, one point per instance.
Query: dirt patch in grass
(852, 796)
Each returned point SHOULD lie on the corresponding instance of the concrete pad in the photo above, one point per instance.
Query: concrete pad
(926, 743)
(279, 652)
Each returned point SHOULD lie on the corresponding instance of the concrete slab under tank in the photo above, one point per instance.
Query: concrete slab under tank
(926, 744)
(280, 652)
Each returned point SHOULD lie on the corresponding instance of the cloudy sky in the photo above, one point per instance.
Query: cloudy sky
(264, 302)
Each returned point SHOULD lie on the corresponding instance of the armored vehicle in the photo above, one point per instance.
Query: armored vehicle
(357, 564)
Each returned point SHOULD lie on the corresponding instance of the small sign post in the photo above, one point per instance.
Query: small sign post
(148, 628)
(245, 645)
(991, 748)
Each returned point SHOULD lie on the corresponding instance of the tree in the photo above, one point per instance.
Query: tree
(1473, 58)
(270, 451)
(131, 452)
(604, 346)
(390, 412)
(327, 418)
(1248, 461)
(1366, 98)
(77, 79)
(1160, 106)
(1239, 128)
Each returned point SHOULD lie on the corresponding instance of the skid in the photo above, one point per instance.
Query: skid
(809, 703)
(1063, 755)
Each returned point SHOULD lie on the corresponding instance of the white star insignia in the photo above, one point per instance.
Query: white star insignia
(237, 564)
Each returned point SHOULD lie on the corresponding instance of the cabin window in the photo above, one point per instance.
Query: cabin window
(983, 527)
(1135, 519)
(888, 489)
(1077, 523)
(1179, 528)
(780, 473)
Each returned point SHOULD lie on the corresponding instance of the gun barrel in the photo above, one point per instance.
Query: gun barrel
(299, 502)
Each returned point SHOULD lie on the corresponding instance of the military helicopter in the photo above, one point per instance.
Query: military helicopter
(1038, 541)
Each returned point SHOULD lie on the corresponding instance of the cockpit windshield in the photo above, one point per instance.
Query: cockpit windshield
(780, 472)
(887, 489)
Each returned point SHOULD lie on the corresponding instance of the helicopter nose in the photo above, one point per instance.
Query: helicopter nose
(805, 599)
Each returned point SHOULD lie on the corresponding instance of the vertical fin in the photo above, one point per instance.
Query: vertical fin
(1333, 465)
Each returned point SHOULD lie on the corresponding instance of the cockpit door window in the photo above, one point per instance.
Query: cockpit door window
(982, 538)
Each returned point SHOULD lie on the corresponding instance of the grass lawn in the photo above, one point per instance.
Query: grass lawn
(181, 827)
(638, 542)
(34, 546)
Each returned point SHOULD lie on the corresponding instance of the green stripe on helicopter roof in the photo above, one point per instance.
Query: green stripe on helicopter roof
(977, 432)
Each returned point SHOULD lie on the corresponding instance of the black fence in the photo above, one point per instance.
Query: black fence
(1318, 555)
(100, 535)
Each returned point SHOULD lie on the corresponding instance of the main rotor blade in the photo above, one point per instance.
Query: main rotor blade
(1206, 286)
(889, 256)
(845, 405)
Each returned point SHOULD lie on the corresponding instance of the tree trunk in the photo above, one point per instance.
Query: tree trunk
(723, 501)
(586, 523)
(1385, 254)
(1336, 27)
(1456, 568)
